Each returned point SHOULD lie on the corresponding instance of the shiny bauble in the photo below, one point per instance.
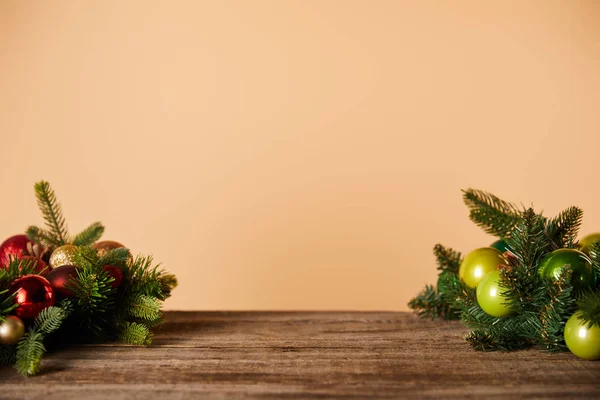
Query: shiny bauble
(115, 273)
(34, 293)
(585, 244)
(478, 263)
(500, 245)
(582, 340)
(63, 255)
(583, 273)
(61, 277)
(15, 247)
(489, 296)
(105, 246)
(12, 330)
(39, 265)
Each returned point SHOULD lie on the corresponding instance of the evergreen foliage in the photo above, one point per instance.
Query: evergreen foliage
(97, 310)
(540, 306)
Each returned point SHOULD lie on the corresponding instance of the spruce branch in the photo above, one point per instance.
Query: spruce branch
(41, 236)
(427, 304)
(145, 307)
(447, 259)
(50, 319)
(595, 257)
(29, 353)
(89, 235)
(7, 303)
(557, 305)
(117, 257)
(562, 230)
(589, 305)
(16, 268)
(51, 212)
(136, 334)
(493, 215)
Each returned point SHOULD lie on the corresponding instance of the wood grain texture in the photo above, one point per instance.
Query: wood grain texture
(303, 355)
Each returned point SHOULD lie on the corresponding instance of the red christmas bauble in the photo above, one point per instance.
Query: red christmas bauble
(34, 293)
(115, 273)
(40, 266)
(14, 246)
(60, 277)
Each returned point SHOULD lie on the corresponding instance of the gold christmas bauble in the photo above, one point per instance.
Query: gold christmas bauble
(105, 246)
(12, 330)
(63, 255)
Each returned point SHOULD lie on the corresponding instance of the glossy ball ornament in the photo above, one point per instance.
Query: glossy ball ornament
(489, 296)
(34, 293)
(115, 273)
(60, 277)
(12, 330)
(478, 263)
(583, 341)
(15, 247)
(585, 244)
(105, 246)
(40, 266)
(583, 273)
(63, 255)
(500, 245)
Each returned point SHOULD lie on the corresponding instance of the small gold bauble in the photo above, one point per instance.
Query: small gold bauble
(105, 246)
(63, 255)
(11, 330)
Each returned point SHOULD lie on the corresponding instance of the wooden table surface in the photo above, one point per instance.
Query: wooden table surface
(302, 355)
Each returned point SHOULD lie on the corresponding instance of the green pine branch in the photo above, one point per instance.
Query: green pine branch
(562, 230)
(447, 259)
(427, 304)
(144, 278)
(89, 235)
(51, 212)
(135, 333)
(16, 268)
(145, 307)
(589, 305)
(493, 215)
(595, 257)
(41, 236)
(557, 307)
(117, 257)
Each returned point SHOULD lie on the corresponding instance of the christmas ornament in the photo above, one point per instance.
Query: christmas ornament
(11, 330)
(34, 293)
(583, 273)
(586, 243)
(478, 263)
(60, 277)
(40, 266)
(15, 247)
(63, 255)
(582, 340)
(500, 245)
(115, 273)
(105, 246)
(489, 296)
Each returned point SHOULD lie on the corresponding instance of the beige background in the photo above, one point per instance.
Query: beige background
(297, 154)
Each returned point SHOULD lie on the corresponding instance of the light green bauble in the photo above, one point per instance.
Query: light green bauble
(586, 243)
(552, 264)
(489, 296)
(583, 341)
(478, 263)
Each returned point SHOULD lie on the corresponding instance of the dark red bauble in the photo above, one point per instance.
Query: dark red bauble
(34, 293)
(15, 247)
(60, 277)
(115, 273)
(40, 266)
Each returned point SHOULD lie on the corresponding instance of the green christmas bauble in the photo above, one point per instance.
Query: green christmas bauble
(489, 296)
(478, 263)
(583, 341)
(500, 245)
(586, 243)
(583, 272)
